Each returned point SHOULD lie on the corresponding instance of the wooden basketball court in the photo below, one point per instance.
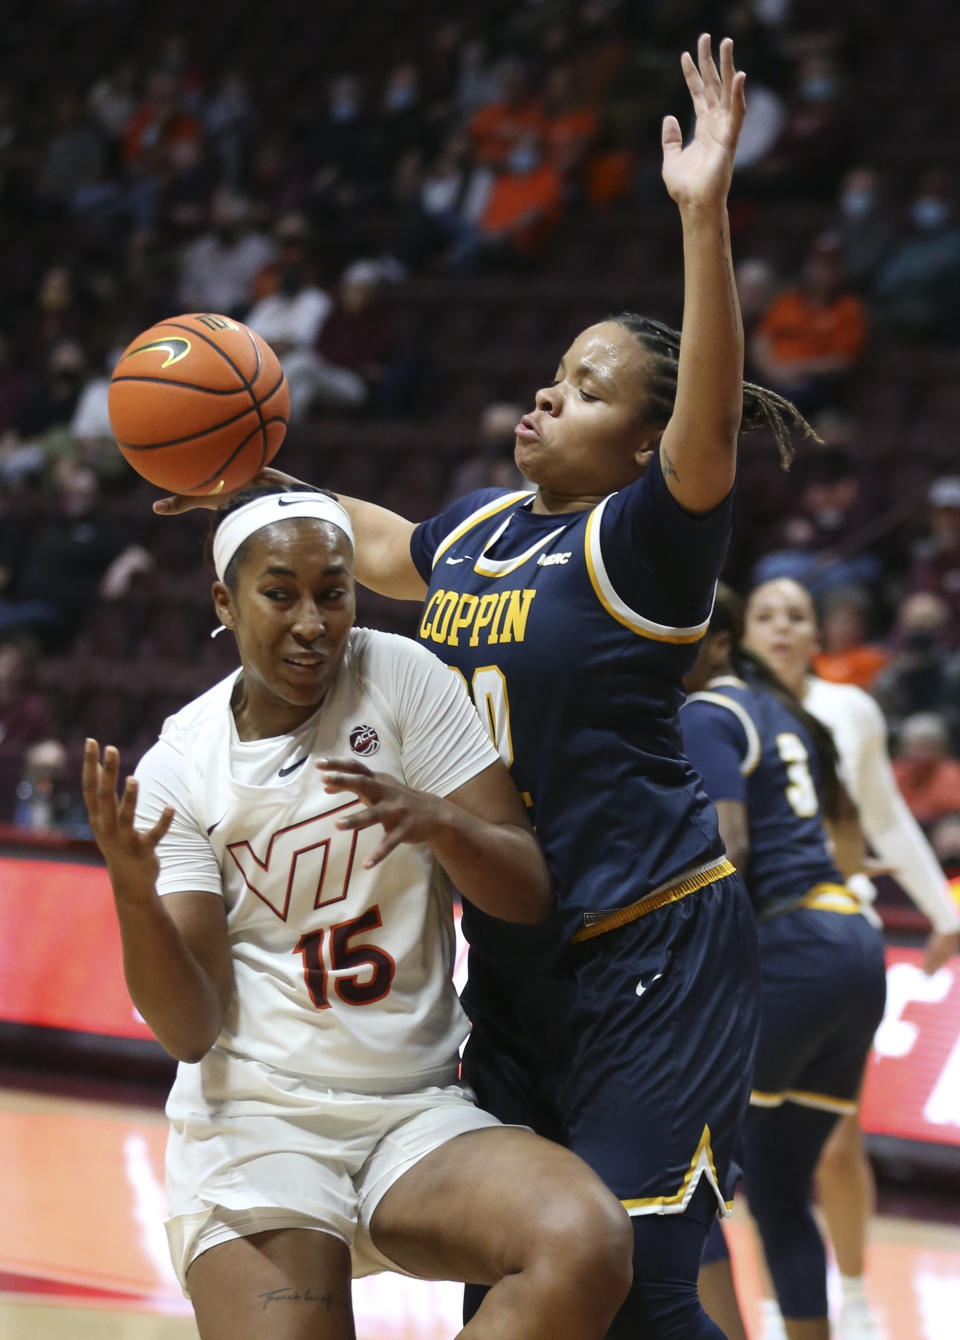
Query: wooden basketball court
(83, 1252)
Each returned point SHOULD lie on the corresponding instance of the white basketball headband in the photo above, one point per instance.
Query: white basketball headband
(267, 511)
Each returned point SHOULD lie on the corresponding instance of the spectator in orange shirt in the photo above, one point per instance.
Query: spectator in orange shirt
(927, 775)
(846, 657)
(524, 206)
(159, 123)
(570, 125)
(812, 336)
(497, 127)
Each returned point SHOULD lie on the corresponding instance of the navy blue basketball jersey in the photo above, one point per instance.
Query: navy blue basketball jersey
(573, 632)
(748, 747)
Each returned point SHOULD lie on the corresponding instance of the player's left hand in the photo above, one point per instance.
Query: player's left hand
(700, 174)
(406, 815)
(176, 503)
(940, 947)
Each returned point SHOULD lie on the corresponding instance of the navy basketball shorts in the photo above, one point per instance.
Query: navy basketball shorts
(666, 1020)
(824, 989)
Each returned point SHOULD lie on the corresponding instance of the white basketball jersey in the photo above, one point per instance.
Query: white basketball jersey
(343, 974)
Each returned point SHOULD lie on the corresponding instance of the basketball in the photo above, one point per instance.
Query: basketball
(198, 404)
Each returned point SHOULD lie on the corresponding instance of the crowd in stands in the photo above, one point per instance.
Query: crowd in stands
(416, 206)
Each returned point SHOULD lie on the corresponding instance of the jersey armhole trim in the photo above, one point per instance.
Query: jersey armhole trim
(752, 757)
(481, 514)
(619, 609)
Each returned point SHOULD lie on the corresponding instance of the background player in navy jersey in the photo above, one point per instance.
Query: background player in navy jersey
(572, 613)
(781, 628)
(770, 769)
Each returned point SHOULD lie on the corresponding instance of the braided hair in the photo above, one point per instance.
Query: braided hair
(762, 408)
(727, 617)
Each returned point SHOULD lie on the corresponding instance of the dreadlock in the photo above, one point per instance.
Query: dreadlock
(762, 408)
(727, 617)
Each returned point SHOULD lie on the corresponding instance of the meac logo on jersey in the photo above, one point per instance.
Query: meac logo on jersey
(491, 619)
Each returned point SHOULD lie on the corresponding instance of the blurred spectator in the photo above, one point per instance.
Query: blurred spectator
(571, 125)
(924, 673)
(359, 335)
(523, 209)
(846, 656)
(25, 715)
(762, 127)
(866, 225)
(945, 840)
(341, 162)
(936, 559)
(927, 775)
(290, 320)
(399, 132)
(448, 202)
(113, 99)
(82, 552)
(497, 127)
(812, 337)
(159, 122)
(812, 150)
(230, 118)
(74, 158)
(52, 401)
(492, 464)
(46, 802)
(57, 313)
(757, 287)
(916, 289)
(218, 270)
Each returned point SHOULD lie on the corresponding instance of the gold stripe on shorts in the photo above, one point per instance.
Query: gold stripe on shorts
(622, 916)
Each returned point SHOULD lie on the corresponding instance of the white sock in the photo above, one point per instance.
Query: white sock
(853, 1289)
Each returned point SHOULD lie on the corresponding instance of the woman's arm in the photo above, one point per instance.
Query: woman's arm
(733, 819)
(698, 449)
(383, 561)
(176, 957)
(479, 833)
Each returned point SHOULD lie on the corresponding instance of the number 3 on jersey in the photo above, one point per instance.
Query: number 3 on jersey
(801, 792)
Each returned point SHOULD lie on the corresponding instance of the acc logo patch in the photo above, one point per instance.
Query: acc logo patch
(364, 740)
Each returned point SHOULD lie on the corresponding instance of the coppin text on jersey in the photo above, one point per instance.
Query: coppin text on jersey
(452, 616)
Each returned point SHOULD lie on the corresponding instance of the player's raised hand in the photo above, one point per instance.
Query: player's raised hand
(176, 503)
(405, 814)
(699, 174)
(130, 854)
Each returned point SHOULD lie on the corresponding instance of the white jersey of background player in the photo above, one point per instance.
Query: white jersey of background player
(280, 868)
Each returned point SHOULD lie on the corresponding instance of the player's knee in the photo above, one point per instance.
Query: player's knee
(587, 1241)
(841, 1153)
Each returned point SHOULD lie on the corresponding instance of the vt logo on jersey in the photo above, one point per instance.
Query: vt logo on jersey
(492, 618)
(306, 863)
(364, 740)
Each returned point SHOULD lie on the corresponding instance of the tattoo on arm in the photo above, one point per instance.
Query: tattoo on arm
(667, 465)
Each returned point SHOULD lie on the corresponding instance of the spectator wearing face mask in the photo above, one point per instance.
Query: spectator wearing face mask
(916, 292)
(924, 671)
(524, 207)
(218, 269)
(865, 224)
(290, 319)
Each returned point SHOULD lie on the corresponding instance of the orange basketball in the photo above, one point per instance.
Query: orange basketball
(199, 404)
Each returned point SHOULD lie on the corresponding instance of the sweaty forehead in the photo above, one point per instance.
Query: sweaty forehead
(609, 348)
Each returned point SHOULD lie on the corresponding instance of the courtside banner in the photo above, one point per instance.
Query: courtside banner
(61, 968)
(912, 1086)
